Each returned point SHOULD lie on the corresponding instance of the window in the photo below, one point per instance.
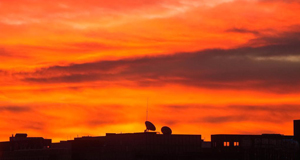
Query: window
(226, 144)
(236, 144)
(215, 144)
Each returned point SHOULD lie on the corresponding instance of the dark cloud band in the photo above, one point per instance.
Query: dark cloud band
(273, 67)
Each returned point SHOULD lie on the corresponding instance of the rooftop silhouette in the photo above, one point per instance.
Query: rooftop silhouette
(150, 145)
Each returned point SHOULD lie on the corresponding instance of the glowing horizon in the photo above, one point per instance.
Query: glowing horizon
(74, 67)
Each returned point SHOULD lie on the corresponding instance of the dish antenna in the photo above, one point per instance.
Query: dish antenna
(149, 126)
(166, 130)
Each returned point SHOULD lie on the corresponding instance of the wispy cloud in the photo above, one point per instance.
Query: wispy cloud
(243, 30)
(270, 67)
(15, 109)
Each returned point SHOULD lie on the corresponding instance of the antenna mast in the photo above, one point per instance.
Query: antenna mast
(147, 111)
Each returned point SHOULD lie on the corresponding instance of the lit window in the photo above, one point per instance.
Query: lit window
(226, 144)
(236, 143)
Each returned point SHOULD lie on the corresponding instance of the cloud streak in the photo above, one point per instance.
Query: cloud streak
(14, 109)
(273, 67)
(237, 113)
(243, 30)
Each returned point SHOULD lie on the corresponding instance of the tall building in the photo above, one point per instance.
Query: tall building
(297, 130)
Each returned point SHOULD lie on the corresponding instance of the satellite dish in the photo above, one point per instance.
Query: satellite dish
(166, 130)
(150, 126)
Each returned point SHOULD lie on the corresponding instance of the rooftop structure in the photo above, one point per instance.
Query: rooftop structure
(150, 145)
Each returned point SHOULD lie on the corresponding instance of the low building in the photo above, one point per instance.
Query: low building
(21, 142)
(21, 147)
(254, 147)
(131, 146)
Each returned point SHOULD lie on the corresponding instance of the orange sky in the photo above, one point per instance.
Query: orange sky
(87, 67)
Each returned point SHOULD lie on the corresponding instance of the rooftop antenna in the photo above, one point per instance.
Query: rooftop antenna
(147, 111)
(149, 126)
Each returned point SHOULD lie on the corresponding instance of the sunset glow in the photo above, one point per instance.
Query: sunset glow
(87, 67)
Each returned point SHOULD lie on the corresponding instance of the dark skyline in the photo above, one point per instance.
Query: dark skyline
(87, 67)
(151, 144)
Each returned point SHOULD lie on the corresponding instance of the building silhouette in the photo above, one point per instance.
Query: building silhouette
(146, 145)
(254, 147)
(21, 147)
(150, 145)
